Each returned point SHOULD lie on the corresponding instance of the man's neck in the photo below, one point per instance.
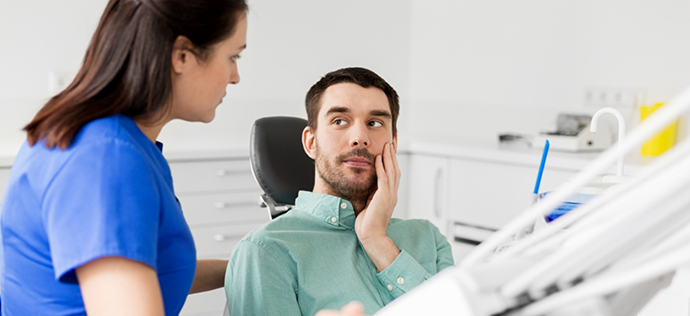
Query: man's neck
(358, 203)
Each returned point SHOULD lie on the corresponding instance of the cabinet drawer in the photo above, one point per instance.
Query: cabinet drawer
(211, 302)
(490, 194)
(223, 208)
(463, 238)
(217, 242)
(190, 177)
(429, 190)
(460, 251)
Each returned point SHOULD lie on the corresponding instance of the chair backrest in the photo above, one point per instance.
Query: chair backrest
(279, 163)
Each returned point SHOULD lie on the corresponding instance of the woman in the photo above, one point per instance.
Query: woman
(90, 221)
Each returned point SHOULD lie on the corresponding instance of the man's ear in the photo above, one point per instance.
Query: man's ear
(182, 55)
(309, 142)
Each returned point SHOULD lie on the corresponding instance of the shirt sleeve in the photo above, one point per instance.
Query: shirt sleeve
(402, 275)
(103, 202)
(258, 283)
(405, 273)
(444, 252)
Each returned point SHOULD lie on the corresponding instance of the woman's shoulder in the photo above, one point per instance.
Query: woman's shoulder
(115, 128)
(109, 143)
(116, 139)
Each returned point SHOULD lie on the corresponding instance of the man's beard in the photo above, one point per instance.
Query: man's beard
(357, 192)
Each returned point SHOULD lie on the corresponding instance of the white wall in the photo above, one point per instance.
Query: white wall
(37, 37)
(291, 44)
(492, 66)
(464, 69)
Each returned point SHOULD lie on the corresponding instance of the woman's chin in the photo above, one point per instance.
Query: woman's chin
(202, 118)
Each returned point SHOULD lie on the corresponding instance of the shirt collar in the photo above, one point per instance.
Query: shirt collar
(328, 208)
(159, 145)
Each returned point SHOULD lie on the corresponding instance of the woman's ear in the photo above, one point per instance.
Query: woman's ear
(182, 55)
(309, 142)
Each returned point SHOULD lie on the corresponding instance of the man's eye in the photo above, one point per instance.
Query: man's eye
(338, 122)
(375, 124)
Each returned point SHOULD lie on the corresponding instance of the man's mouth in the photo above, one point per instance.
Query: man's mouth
(359, 162)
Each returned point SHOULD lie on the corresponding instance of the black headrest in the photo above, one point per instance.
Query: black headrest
(280, 165)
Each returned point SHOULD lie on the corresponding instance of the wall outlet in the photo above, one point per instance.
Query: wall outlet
(58, 81)
(614, 97)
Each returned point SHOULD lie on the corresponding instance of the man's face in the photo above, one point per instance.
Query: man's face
(353, 125)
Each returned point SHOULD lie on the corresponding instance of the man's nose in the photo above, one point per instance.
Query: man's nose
(360, 136)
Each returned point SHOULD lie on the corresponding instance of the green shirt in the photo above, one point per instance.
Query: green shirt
(310, 259)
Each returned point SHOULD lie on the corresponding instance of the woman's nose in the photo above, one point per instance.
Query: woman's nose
(235, 75)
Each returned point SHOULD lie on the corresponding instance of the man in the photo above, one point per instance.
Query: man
(339, 244)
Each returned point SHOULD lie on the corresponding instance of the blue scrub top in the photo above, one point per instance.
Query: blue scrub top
(109, 194)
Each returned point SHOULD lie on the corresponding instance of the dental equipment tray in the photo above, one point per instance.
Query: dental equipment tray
(572, 134)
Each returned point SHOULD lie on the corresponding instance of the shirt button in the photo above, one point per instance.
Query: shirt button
(343, 205)
(390, 287)
(401, 280)
(333, 219)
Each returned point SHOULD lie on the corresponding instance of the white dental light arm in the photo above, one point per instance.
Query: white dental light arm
(607, 257)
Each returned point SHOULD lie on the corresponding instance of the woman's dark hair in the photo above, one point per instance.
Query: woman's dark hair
(127, 66)
(363, 77)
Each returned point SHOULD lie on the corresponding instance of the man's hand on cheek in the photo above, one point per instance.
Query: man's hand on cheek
(351, 309)
(372, 223)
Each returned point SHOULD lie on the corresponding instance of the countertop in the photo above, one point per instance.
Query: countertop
(230, 152)
(510, 153)
(516, 153)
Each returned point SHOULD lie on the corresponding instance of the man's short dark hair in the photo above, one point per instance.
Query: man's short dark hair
(360, 76)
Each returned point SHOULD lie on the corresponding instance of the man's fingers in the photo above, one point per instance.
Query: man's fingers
(353, 308)
(391, 168)
(385, 159)
(395, 160)
(381, 172)
(371, 196)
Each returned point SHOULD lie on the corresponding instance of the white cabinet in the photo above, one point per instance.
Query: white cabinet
(219, 198)
(485, 195)
(490, 194)
(470, 194)
(428, 187)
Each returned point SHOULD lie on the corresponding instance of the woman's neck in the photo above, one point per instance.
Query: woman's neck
(150, 130)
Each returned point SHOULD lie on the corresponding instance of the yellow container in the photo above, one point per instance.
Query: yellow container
(661, 142)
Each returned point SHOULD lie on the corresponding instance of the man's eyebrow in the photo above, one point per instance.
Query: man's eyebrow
(337, 109)
(380, 113)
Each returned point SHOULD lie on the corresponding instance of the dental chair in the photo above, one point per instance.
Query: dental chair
(279, 163)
